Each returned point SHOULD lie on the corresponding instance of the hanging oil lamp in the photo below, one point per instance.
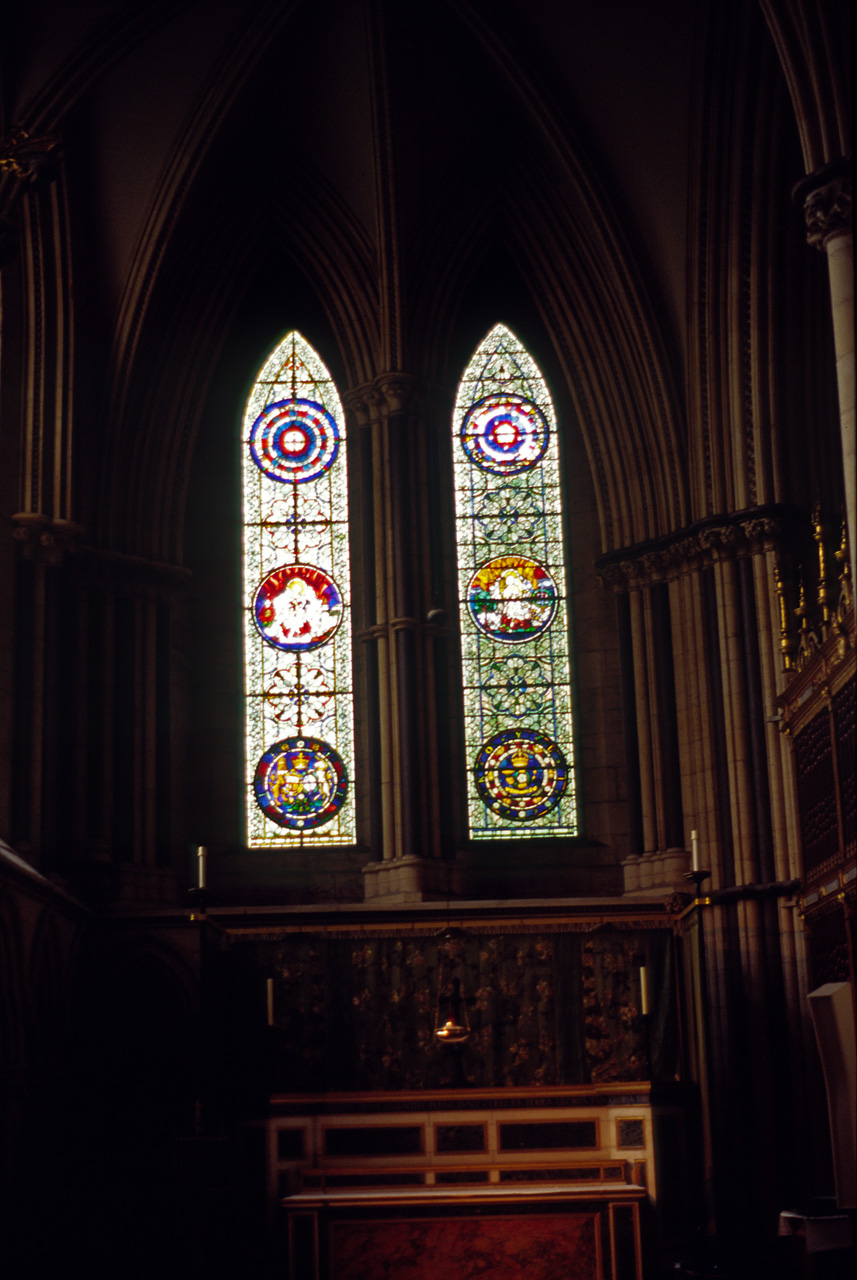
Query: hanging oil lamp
(451, 1023)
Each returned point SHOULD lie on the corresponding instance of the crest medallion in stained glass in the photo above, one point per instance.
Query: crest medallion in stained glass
(512, 599)
(520, 774)
(300, 783)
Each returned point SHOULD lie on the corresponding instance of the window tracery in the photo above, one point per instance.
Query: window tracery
(512, 598)
(297, 636)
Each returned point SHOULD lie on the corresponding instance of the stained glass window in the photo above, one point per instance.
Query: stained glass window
(512, 597)
(297, 633)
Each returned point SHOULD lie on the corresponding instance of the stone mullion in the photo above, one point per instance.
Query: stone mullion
(148, 729)
(138, 726)
(403, 626)
(82, 697)
(706, 824)
(382, 551)
(644, 721)
(104, 838)
(659, 780)
(407, 863)
(31, 477)
(735, 716)
(429, 639)
(36, 627)
(754, 995)
(688, 648)
(416, 676)
(61, 477)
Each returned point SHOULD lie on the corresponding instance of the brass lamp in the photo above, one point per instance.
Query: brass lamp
(454, 1028)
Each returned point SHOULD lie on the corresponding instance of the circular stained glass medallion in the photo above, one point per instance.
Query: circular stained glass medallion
(300, 783)
(297, 607)
(505, 434)
(520, 774)
(512, 598)
(294, 440)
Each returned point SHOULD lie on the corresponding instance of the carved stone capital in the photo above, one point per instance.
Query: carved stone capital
(402, 392)
(740, 534)
(33, 161)
(828, 212)
(389, 395)
(44, 539)
(825, 197)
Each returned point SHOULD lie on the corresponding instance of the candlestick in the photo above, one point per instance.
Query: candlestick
(644, 992)
(270, 1002)
(694, 851)
(201, 855)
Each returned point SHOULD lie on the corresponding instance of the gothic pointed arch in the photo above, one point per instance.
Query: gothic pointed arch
(297, 634)
(512, 597)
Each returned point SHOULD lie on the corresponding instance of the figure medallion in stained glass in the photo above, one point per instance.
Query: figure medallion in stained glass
(512, 598)
(513, 607)
(297, 637)
(297, 607)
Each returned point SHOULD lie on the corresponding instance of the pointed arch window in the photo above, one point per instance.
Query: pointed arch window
(299, 731)
(512, 597)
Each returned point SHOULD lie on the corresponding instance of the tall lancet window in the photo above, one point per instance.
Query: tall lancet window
(512, 597)
(297, 633)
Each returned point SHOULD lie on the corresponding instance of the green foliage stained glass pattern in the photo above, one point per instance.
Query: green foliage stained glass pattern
(297, 633)
(512, 598)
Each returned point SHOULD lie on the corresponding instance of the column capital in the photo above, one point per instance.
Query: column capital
(826, 199)
(387, 396)
(43, 538)
(33, 161)
(726, 537)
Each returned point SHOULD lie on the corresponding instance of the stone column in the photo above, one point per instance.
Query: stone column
(826, 199)
(659, 866)
(400, 632)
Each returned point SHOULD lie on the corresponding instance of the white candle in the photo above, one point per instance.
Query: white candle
(694, 850)
(201, 855)
(644, 992)
(270, 1002)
